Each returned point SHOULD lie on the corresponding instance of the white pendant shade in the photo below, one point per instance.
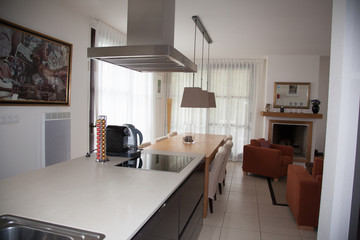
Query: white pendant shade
(194, 97)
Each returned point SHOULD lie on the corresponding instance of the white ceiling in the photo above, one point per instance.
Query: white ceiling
(239, 28)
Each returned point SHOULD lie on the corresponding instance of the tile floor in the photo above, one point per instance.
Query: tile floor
(245, 211)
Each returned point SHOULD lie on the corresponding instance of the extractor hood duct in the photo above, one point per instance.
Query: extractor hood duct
(150, 40)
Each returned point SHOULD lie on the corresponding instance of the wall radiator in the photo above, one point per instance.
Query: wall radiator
(56, 137)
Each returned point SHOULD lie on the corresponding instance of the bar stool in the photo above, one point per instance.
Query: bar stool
(174, 133)
(228, 146)
(161, 138)
(144, 145)
(214, 175)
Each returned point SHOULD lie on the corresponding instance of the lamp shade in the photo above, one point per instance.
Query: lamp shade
(194, 97)
(211, 100)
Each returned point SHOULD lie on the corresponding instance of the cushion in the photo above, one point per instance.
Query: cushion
(265, 144)
(318, 166)
(256, 142)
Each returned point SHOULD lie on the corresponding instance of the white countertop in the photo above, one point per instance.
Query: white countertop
(85, 194)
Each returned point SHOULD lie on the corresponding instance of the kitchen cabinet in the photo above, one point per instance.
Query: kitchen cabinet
(164, 223)
(180, 217)
(190, 201)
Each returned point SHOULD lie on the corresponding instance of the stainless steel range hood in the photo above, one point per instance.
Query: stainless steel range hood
(150, 38)
(144, 58)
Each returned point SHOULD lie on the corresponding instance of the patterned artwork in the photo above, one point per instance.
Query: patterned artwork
(34, 68)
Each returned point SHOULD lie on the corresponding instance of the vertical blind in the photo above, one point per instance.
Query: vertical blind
(123, 95)
(234, 83)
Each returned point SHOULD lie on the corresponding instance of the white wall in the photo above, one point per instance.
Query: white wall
(20, 143)
(342, 125)
(300, 68)
(255, 27)
(293, 68)
(323, 97)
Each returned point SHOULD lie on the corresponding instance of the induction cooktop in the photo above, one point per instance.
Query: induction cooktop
(160, 162)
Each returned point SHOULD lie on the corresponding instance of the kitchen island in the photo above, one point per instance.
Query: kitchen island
(98, 197)
(204, 143)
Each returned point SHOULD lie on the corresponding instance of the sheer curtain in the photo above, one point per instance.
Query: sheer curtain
(123, 95)
(234, 83)
(185, 119)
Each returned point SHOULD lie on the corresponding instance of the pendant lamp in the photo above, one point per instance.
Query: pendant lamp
(211, 95)
(195, 97)
(211, 100)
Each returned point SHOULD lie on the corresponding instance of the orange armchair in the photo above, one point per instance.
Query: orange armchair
(303, 191)
(265, 159)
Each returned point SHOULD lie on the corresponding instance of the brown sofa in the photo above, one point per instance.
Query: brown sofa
(265, 159)
(303, 191)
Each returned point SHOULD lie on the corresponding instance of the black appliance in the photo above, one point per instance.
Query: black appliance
(160, 162)
(121, 141)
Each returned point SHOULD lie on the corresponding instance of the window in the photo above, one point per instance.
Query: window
(122, 95)
(234, 83)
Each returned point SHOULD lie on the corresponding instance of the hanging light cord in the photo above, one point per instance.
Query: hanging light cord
(194, 52)
(208, 67)
(202, 61)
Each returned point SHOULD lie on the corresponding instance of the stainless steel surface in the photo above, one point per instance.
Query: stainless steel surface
(144, 58)
(150, 39)
(202, 29)
(19, 228)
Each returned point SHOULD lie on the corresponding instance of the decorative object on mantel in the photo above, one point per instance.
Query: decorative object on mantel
(315, 106)
(268, 107)
(282, 109)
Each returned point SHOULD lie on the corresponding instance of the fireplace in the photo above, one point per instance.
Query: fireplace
(297, 134)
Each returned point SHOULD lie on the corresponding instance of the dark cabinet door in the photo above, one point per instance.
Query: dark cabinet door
(181, 215)
(190, 198)
(194, 225)
(164, 223)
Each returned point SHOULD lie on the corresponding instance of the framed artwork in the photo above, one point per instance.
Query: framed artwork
(35, 69)
(293, 90)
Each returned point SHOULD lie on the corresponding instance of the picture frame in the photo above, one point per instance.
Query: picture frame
(35, 69)
(292, 95)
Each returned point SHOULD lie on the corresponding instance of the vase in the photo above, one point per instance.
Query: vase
(268, 107)
(315, 108)
(189, 136)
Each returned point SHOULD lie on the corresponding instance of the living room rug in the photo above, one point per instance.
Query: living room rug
(278, 191)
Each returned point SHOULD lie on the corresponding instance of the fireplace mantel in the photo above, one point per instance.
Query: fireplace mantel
(291, 115)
